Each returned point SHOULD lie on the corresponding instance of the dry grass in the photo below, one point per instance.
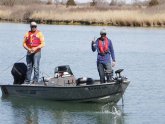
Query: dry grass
(145, 17)
(138, 17)
(4, 14)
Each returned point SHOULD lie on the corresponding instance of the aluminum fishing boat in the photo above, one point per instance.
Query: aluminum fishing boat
(63, 86)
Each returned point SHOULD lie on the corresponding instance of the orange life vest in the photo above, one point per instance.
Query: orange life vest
(32, 40)
(103, 48)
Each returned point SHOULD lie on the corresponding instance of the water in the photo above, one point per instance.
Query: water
(140, 51)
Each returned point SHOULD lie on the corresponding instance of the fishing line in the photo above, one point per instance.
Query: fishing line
(11, 65)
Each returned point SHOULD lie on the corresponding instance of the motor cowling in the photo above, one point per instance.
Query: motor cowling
(119, 78)
(19, 73)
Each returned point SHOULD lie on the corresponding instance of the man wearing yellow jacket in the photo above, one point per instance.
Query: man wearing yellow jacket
(33, 42)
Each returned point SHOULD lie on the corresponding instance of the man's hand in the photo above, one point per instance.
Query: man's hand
(29, 50)
(93, 43)
(113, 63)
(93, 46)
(33, 50)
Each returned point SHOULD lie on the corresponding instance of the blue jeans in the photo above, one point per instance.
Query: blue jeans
(33, 61)
(102, 67)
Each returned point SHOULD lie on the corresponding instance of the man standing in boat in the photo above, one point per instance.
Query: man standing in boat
(33, 42)
(105, 50)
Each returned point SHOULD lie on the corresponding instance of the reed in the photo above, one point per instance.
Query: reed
(5, 14)
(109, 17)
(145, 17)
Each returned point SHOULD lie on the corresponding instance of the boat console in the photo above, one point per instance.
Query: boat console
(63, 71)
(63, 76)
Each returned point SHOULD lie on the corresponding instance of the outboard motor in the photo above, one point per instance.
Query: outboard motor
(19, 73)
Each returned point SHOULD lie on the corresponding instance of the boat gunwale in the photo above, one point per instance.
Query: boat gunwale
(44, 86)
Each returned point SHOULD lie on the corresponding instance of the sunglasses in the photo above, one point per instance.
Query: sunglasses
(103, 34)
(33, 26)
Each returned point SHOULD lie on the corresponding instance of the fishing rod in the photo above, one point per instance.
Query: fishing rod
(11, 65)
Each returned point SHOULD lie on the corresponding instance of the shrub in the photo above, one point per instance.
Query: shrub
(7, 2)
(70, 3)
(153, 2)
(18, 2)
(93, 3)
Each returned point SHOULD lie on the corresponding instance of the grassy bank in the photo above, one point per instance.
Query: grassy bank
(120, 16)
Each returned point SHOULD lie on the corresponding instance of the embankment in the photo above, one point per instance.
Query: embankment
(51, 14)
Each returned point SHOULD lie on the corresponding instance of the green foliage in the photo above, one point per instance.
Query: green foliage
(70, 3)
(153, 2)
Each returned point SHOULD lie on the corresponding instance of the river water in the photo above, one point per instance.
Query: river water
(140, 51)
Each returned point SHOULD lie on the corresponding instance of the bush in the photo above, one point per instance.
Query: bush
(113, 2)
(93, 3)
(153, 2)
(70, 3)
(7, 2)
(18, 2)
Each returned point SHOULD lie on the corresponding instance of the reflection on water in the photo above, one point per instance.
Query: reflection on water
(30, 111)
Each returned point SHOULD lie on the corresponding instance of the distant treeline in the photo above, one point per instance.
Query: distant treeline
(102, 3)
(85, 14)
(18, 2)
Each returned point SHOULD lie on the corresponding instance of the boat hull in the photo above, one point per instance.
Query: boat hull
(108, 92)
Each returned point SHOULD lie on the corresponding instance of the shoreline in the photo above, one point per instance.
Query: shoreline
(83, 23)
(49, 14)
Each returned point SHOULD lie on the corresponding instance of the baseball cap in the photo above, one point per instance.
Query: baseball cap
(33, 24)
(103, 31)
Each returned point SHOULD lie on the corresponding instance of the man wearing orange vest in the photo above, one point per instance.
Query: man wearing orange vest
(105, 50)
(33, 42)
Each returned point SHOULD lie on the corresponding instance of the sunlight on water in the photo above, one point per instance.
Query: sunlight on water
(109, 109)
(116, 112)
(112, 112)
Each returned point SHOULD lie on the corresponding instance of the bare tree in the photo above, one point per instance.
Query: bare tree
(93, 3)
(50, 1)
(54, 1)
(14, 2)
(57, 2)
(117, 2)
(113, 2)
(7, 2)
(63, 2)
